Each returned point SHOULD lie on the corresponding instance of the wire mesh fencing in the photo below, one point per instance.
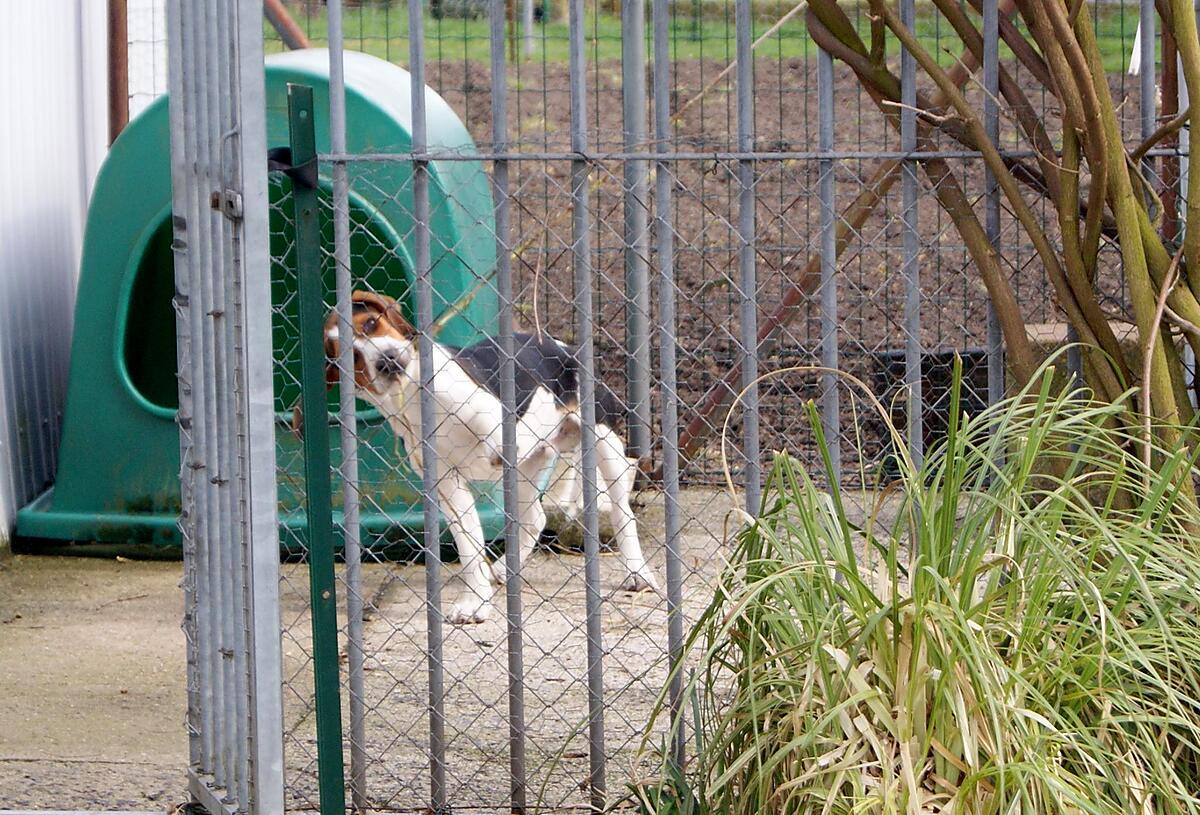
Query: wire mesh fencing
(665, 200)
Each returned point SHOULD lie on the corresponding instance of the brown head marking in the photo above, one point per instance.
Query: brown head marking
(372, 315)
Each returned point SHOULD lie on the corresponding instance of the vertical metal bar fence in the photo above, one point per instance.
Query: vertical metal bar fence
(830, 398)
(705, 323)
(636, 227)
(318, 505)
(991, 123)
(512, 512)
(665, 251)
(912, 274)
(747, 262)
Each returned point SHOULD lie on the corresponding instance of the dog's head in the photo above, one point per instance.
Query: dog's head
(384, 342)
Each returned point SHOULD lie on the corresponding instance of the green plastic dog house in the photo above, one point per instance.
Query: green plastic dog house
(118, 474)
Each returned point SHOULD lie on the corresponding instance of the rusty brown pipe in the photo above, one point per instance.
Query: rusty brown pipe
(118, 68)
(277, 15)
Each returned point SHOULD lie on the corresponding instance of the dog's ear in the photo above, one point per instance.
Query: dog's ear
(389, 307)
(380, 302)
(331, 362)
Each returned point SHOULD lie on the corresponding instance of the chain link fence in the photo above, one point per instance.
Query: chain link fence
(688, 194)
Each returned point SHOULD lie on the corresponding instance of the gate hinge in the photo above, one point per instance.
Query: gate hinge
(228, 202)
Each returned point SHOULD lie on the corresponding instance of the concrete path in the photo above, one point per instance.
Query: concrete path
(92, 687)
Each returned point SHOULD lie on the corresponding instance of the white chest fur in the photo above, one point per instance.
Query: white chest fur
(467, 418)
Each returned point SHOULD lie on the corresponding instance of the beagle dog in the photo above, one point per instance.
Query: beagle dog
(466, 391)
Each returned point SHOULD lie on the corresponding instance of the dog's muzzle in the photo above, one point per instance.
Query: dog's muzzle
(391, 362)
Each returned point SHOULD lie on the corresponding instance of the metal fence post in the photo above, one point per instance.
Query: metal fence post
(1147, 86)
(222, 299)
(747, 263)
(215, 516)
(912, 244)
(318, 499)
(581, 251)
(231, 479)
(347, 416)
(636, 227)
(260, 495)
(527, 27)
(508, 398)
(192, 515)
(991, 123)
(831, 411)
(664, 232)
(439, 801)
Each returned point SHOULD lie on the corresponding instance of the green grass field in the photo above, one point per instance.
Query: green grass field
(700, 30)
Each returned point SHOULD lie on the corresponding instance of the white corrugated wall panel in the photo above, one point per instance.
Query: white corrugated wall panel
(51, 142)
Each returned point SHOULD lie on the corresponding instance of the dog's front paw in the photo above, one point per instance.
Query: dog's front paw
(641, 580)
(499, 572)
(469, 612)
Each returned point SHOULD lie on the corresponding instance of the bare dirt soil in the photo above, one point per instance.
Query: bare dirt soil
(555, 661)
(870, 283)
(92, 662)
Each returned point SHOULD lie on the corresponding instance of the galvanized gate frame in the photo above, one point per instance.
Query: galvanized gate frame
(227, 443)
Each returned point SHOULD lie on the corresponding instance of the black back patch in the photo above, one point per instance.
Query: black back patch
(539, 362)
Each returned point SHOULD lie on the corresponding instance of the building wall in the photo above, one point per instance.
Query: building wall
(52, 139)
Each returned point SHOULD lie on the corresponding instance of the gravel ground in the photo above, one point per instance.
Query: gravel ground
(92, 672)
(475, 659)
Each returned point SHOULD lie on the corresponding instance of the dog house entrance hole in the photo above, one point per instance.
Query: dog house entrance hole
(149, 337)
(150, 323)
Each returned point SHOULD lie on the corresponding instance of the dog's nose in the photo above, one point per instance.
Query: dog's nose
(392, 362)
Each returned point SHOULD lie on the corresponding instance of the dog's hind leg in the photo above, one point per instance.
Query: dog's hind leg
(614, 466)
(566, 494)
(458, 503)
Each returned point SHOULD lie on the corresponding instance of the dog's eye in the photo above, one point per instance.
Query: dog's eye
(369, 326)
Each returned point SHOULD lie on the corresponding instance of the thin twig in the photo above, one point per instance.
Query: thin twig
(121, 600)
(1186, 325)
(729, 68)
(537, 314)
(922, 113)
(1164, 130)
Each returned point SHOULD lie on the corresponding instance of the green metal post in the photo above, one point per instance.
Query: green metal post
(319, 507)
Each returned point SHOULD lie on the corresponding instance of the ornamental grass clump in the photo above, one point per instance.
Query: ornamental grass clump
(1011, 627)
